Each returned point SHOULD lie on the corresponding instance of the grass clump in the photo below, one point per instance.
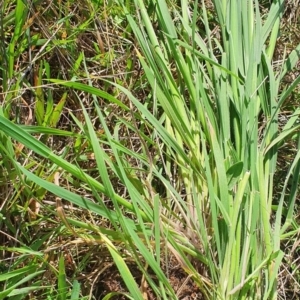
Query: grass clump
(143, 140)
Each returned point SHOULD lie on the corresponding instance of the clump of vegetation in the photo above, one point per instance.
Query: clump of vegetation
(149, 150)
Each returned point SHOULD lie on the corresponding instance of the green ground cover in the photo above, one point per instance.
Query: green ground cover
(149, 149)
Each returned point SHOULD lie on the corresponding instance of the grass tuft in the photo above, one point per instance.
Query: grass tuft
(149, 149)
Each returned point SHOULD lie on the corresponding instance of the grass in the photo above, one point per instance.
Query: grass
(149, 150)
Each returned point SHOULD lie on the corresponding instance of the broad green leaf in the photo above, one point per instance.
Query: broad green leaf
(39, 99)
(234, 173)
(75, 293)
(56, 113)
(62, 284)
